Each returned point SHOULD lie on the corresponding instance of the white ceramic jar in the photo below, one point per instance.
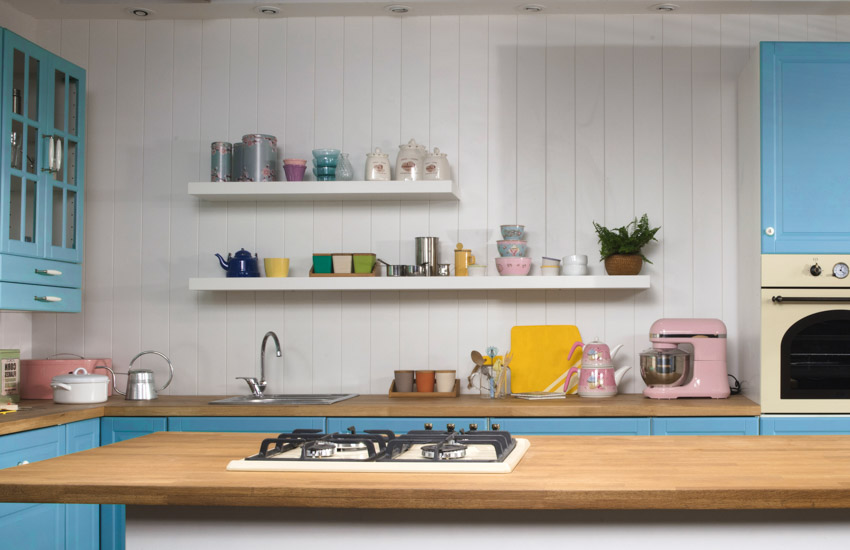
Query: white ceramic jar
(437, 166)
(377, 166)
(410, 161)
(79, 387)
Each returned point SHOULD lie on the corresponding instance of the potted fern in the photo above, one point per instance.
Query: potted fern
(621, 247)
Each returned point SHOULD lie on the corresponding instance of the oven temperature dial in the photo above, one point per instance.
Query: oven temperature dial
(815, 270)
(840, 270)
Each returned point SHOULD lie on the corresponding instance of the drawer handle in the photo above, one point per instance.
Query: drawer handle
(47, 298)
(21, 463)
(51, 272)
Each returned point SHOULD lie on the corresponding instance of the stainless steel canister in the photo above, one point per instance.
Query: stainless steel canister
(221, 161)
(259, 157)
(426, 254)
(236, 166)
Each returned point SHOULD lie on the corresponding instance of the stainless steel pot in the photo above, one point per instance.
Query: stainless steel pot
(392, 270)
(413, 270)
(665, 367)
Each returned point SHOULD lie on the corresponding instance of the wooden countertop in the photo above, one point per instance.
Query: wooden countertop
(610, 472)
(42, 413)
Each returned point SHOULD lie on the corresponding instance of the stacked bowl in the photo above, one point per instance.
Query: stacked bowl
(512, 251)
(324, 164)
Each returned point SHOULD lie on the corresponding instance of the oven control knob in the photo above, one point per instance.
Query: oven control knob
(815, 270)
(840, 270)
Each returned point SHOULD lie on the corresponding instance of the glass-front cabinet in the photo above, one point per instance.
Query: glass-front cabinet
(42, 114)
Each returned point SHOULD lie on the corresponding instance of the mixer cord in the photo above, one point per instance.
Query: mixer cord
(735, 388)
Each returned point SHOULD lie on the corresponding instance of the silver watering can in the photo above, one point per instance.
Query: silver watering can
(141, 385)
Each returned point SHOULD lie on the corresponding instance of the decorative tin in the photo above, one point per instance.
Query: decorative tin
(221, 161)
(259, 157)
(10, 374)
(236, 167)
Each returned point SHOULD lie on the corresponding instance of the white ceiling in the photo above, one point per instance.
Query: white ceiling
(216, 9)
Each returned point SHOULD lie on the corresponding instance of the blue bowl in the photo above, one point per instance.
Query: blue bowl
(511, 248)
(325, 178)
(326, 162)
(324, 171)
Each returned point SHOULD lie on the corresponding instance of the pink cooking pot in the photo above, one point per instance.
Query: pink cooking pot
(36, 374)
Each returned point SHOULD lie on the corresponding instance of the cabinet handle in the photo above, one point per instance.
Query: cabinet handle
(47, 298)
(51, 154)
(769, 231)
(21, 463)
(51, 272)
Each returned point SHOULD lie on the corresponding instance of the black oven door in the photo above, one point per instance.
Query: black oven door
(815, 357)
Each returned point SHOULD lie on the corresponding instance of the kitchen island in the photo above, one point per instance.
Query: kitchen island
(178, 490)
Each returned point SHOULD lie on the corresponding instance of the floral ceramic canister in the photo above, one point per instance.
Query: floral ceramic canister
(221, 161)
(410, 161)
(377, 166)
(259, 157)
(436, 166)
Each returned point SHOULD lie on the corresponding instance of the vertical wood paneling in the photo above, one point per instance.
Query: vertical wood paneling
(678, 168)
(212, 216)
(102, 88)
(649, 171)
(552, 121)
(156, 187)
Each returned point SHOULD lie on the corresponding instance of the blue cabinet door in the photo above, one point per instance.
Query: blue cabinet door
(112, 430)
(259, 424)
(28, 525)
(574, 426)
(805, 425)
(82, 521)
(710, 425)
(805, 123)
(402, 425)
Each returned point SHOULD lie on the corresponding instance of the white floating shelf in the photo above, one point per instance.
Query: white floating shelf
(325, 190)
(421, 283)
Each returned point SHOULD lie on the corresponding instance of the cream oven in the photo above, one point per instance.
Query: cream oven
(805, 333)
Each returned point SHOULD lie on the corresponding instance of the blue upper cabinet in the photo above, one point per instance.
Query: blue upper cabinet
(42, 152)
(805, 132)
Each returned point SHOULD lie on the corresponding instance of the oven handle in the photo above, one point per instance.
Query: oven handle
(818, 299)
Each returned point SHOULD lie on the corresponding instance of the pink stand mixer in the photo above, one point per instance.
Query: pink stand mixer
(671, 372)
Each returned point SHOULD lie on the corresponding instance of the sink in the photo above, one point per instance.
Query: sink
(286, 399)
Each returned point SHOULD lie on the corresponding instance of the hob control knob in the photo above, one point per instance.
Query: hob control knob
(473, 427)
(495, 427)
(429, 426)
(450, 427)
(815, 270)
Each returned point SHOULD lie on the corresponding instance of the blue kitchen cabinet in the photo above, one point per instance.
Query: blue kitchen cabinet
(36, 526)
(574, 426)
(805, 129)
(41, 178)
(713, 425)
(112, 430)
(259, 424)
(805, 425)
(402, 425)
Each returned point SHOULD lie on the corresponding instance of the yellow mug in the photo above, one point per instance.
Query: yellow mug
(277, 267)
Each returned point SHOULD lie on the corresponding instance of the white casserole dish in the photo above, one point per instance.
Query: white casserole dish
(79, 387)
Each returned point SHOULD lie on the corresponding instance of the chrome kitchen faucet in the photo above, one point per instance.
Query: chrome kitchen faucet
(259, 386)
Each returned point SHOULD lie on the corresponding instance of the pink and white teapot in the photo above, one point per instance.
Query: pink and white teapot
(597, 375)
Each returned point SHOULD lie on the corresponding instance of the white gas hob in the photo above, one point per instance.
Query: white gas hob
(383, 452)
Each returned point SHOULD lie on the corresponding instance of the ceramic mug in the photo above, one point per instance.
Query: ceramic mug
(477, 270)
(445, 380)
(425, 381)
(277, 267)
(403, 381)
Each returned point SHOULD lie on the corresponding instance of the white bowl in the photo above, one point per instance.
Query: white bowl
(578, 259)
(550, 270)
(477, 270)
(575, 270)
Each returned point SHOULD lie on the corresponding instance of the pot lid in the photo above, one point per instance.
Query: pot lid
(377, 153)
(242, 255)
(436, 153)
(80, 376)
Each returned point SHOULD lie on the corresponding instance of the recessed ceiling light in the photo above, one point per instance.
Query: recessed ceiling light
(397, 9)
(140, 12)
(666, 8)
(532, 8)
(267, 10)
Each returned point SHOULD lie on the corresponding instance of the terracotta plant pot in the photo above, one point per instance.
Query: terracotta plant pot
(623, 264)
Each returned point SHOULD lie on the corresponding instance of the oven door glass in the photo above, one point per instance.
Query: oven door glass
(815, 356)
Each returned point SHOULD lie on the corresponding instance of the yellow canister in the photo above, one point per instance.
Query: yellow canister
(463, 259)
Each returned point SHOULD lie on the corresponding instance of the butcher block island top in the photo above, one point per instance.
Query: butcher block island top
(42, 413)
(610, 472)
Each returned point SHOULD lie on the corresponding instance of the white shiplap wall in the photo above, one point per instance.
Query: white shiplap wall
(551, 121)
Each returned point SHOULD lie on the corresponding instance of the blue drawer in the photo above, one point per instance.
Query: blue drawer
(32, 446)
(16, 296)
(710, 425)
(805, 425)
(402, 425)
(35, 271)
(574, 426)
(260, 424)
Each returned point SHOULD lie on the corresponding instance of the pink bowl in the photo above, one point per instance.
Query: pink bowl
(513, 266)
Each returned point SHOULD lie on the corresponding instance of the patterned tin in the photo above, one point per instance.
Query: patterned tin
(259, 157)
(221, 161)
(236, 166)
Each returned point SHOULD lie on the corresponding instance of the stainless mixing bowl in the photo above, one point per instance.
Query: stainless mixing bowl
(665, 367)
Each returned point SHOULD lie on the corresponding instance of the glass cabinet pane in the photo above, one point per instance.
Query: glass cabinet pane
(31, 151)
(58, 211)
(18, 72)
(17, 141)
(32, 93)
(58, 159)
(71, 220)
(73, 106)
(71, 163)
(15, 209)
(29, 211)
(59, 101)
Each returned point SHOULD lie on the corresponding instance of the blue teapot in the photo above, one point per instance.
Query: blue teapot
(241, 264)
